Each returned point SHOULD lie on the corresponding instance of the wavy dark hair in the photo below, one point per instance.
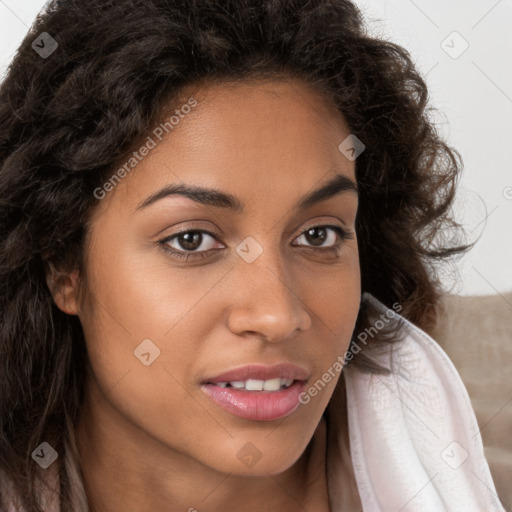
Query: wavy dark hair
(68, 119)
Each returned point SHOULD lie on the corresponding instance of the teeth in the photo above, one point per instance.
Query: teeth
(258, 385)
(254, 385)
(272, 384)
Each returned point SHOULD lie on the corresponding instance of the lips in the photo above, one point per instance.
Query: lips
(261, 372)
(258, 403)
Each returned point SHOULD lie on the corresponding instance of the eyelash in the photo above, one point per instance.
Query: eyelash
(342, 233)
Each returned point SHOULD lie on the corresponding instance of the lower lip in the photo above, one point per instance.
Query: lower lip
(257, 405)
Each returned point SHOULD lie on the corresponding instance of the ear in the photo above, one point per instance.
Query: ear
(63, 287)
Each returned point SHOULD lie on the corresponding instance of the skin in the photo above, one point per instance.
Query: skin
(149, 437)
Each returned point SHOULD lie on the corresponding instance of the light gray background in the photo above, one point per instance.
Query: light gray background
(472, 92)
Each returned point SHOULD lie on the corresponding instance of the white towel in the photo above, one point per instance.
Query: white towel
(414, 439)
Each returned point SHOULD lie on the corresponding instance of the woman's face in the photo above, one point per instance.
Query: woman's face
(264, 290)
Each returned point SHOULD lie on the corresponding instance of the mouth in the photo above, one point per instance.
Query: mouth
(271, 385)
(258, 392)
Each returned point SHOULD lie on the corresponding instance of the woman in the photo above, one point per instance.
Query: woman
(221, 223)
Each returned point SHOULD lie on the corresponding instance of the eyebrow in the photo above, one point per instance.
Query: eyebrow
(214, 197)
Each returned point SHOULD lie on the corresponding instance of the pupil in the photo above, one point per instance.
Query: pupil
(316, 240)
(190, 240)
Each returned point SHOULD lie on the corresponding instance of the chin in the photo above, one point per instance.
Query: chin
(258, 455)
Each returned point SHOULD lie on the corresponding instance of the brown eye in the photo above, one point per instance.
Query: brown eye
(323, 236)
(316, 236)
(190, 241)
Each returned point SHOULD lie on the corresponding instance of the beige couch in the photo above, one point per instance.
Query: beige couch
(476, 332)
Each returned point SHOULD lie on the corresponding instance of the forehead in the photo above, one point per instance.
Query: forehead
(265, 116)
(260, 137)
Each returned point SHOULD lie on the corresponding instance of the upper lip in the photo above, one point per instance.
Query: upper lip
(261, 372)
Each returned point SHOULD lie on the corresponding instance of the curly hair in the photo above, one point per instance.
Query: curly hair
(67, 120)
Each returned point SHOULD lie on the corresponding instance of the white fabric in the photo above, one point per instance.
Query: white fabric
(414, 439)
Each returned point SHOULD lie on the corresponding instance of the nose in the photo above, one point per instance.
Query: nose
(264, 301)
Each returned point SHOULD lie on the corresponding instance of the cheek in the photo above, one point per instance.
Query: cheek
(335, 301)
(132, 295)
(334, 298)
(143, 338)
(124, 319)
(144, 325)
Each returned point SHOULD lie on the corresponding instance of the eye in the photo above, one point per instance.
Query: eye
(188, 243)
(194, 243)
(325, 236)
